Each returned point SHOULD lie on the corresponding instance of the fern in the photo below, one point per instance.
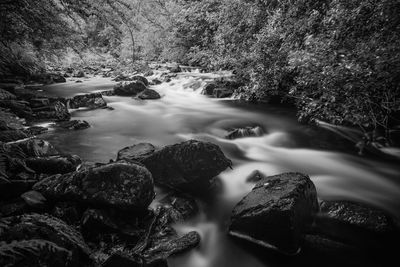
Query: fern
(16, 251)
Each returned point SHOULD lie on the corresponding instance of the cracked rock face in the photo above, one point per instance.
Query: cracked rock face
(276, 212)
(187, 165)
(119, 185)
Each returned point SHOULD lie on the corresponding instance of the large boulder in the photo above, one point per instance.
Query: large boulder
(187, 165)
(136, 152)
(92, 101)
(54, 164)
(41, 240)
(129, 88)
(277, 212)
(120, 185)
(149, 94)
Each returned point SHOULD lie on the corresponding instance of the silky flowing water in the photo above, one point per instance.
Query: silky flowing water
(183, 113)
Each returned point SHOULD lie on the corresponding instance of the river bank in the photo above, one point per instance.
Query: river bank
(181, 114)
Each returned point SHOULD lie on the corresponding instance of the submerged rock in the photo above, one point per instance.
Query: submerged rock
(119, 185)
(187, 165)
(277, 212)
(129, 88)
(54, 164)
(245, 132)
(136, 152)
(149, 94)
(122, 259)
(55, 243)
(92, 101)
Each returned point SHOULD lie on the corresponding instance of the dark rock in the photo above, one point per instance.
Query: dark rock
(36, 148)
(20, 108)
(69, 212)
(119, 185)
(69, 250)
(155, 82)
(5, 95)
(107, 93)
(149, 94)
(78, 81)
(277, 212)
(58, 78)
(15, 188)
(59, 164)
(92, 101)
(73, 125)
(187, 165)
(183, 206)
(163, 250)
(13, 207)
(96, 222)
(9, 121)
(222, 92)
(56, 111)
(78, 74)
(209, 89)
(12, 135)
(11, 86)
(357, 224)
(35, 130)
(245, 132)
(148, 73)
(136, 152)
(129, 88)
(39, 102)
(141, 78)
(255, 176)
(34, 199)
(174, 68)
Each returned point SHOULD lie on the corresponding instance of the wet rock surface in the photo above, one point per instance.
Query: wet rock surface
(56, 243)
(129, 88)
(73, 125)
(187, 165)
(118, 185)
(91, 101)
(149, 94)
(54, 164)
(277, 212)
(137, 152)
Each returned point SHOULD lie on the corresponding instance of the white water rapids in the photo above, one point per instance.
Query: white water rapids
(183, 113)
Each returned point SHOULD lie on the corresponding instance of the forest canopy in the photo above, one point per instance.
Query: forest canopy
(336, 60)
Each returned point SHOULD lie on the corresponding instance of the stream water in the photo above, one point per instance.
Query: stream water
(183, 113)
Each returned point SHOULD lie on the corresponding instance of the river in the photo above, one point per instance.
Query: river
(183, 113)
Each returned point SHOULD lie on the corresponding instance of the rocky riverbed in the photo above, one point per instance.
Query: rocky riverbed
(58, 209)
